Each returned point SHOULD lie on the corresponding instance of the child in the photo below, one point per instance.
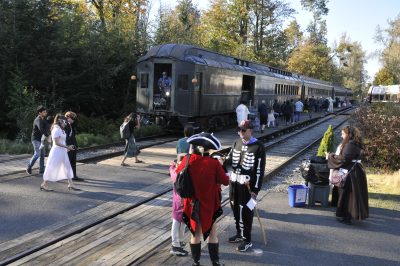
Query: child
(271, 118)
(178, 227)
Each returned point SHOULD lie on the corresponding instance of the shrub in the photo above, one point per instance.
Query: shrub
(96, 125)
(149, 130)
(380, 126)
(90, 139)
(326, 144)
(15, 147)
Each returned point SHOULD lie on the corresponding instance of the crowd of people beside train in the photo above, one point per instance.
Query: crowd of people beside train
(289, 111)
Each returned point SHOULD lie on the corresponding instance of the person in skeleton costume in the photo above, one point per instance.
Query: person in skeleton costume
(247, 159)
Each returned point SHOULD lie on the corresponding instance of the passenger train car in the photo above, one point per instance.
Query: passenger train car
(205, 86)
(390, 93)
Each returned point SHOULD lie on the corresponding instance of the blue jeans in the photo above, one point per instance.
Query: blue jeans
(37, 153)
(297, 116)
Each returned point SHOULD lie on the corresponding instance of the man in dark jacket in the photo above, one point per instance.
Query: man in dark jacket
(38, 129)
(247, 159)
(277, 109)
(263, 110)
(71, 140)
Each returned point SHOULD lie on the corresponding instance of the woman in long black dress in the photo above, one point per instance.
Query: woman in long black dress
(353, 196)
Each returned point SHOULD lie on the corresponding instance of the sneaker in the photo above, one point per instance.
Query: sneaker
(244, 246)
(78, 179)
(236, 239)
(29, 171)
(182, 244)
(178, 251)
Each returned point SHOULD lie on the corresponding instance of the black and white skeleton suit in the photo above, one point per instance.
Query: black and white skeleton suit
(248, 165)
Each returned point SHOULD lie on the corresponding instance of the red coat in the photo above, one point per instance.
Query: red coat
(207, 176)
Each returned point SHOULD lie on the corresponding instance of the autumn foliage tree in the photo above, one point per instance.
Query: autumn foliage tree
(385, 77)
(380, 126)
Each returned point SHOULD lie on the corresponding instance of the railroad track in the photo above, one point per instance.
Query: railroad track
(15, 165)
(116, 235)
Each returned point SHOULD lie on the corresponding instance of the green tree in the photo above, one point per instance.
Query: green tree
(22, 105)
(317, 28)
(179, 25)
(72, 54)
(220, 30)
(247, 29)
(326, 144)
(385, 77)
(390, 40)
(294, 36)
(267, 37)
(312, 60)
(352, 62)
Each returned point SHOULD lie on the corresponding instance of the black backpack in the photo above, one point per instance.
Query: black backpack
(183, 184)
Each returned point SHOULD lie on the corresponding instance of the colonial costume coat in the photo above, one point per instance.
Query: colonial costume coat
(207, 176)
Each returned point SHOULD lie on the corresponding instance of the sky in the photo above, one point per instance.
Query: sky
(359, 19)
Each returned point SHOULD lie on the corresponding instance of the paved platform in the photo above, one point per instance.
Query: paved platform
(303, 236)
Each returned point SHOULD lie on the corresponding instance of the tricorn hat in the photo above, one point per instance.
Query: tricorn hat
(206, 140)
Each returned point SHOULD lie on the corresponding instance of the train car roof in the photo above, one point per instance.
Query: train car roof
(200, 56)
(390, 89)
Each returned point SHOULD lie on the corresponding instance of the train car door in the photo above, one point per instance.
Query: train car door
(162, 86)
(303, 92)
(248, 85)
(197, 93)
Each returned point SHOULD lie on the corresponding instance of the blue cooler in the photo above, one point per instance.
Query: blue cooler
(297, 195)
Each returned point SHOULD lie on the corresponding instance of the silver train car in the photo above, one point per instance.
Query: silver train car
(390, 93)
(182, 83)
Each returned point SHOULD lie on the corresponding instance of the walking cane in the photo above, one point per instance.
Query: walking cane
(258, 217)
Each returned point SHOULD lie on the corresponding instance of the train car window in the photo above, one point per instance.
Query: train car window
(144, 80)
(183, 81)
(199, 77)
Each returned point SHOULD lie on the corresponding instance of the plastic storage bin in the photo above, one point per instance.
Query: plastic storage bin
(318, 193)
(297, 195)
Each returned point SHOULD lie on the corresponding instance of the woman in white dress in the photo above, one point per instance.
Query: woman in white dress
(58, 166)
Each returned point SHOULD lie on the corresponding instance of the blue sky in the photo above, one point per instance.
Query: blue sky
(358, 18)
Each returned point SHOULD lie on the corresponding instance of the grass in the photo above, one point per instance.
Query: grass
(384, 190)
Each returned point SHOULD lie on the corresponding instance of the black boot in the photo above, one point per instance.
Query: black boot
(196, 252)
(213, 249)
